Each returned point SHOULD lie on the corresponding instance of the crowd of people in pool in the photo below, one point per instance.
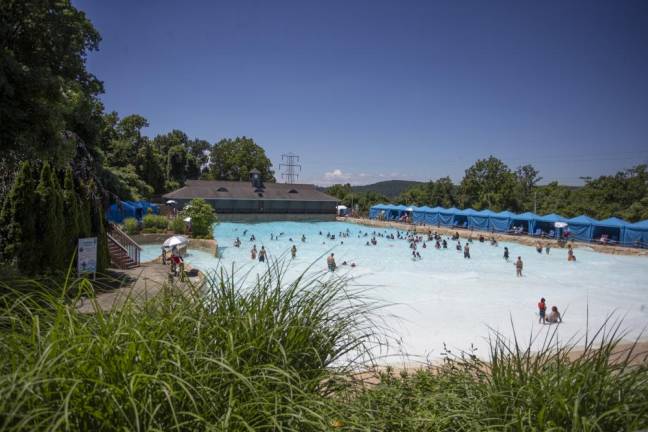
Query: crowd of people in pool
(415, 241)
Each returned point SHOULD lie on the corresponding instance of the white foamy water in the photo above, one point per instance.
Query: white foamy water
(444, 297)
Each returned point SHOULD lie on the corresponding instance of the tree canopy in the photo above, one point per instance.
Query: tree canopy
(43, 78)
(233, 159)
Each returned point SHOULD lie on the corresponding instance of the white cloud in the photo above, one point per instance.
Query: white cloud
(338, 176)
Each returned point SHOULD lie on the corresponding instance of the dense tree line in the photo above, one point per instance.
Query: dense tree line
(43, 215)
(491, 184)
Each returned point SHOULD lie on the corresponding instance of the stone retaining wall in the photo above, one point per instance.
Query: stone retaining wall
(208, 245)
(522, 239)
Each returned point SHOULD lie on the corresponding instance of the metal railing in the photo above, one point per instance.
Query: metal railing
(126, 243)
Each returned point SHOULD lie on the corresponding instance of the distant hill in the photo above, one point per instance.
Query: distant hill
(389, 188)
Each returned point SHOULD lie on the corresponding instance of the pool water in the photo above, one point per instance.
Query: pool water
(444, 298)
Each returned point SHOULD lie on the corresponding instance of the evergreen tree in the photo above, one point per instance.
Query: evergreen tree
(18, 238)
(49, 220)
(71, 215)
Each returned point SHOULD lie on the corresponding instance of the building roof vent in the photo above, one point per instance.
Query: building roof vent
(293, 191)
(222, 189)
(260, 194)
(255, 178)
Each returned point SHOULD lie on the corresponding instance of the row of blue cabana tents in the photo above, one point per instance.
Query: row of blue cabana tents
(582, 227)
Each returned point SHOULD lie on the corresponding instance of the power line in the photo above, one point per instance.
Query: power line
(291, 167)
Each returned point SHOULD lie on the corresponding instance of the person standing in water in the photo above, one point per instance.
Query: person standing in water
(542, 309)
(506, 253)
(262, 254)
(519, 265)
(293, 251)
(330, 262)
(466, 251)
(253, 252)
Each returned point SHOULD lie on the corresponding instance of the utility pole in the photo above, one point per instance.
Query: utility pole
(290, 166)
(535, 202)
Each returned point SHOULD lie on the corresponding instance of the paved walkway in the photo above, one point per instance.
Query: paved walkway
(139, 283)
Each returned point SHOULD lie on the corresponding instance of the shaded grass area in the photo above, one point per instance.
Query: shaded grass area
(245, 352)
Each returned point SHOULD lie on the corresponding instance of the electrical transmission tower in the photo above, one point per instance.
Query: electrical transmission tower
(290, 167)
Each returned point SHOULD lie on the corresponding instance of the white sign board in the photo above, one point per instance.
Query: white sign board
(87, 255)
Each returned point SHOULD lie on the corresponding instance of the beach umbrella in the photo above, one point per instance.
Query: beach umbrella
(171, 202)
(187, 219)
(175, 241)
(560, 224)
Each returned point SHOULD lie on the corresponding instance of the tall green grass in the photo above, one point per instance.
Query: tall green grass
(243, 352)
(602, 386)
(220, 356)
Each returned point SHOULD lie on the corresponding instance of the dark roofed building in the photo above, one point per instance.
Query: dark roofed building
(256, 197)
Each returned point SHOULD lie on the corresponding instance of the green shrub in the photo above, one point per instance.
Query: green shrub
(177, 225)
(154, 223)
(202, 218)
(131, 226)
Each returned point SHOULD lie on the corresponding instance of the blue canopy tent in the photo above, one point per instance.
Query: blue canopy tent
(525, 220)
(480, 219)
(461, 217)
(609, 230)
(395, 212)
(433, 216)
(500, 221)
(581, 227)
(446, 216)
(547, 225)
(130, 209)
(375, 210)
(420, 213)
(636, 234)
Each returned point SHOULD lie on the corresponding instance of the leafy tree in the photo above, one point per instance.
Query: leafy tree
(127, 140)
(527, 178)
(125, 183)
(176, 164)
(489, 183)
(192, 167)
(200, 150)
(233, 159)
(174, 138)
(149, 167)
(43, 47)
(339, 191)
(202, 217)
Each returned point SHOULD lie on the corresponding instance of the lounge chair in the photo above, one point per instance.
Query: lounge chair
(538, 232)
(604, 238)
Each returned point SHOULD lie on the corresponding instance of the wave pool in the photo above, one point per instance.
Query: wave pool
(444, 298)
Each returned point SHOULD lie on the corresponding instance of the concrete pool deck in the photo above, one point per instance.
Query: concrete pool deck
(521, 239)
(140, 283)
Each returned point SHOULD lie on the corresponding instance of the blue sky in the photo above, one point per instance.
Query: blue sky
(375, 90)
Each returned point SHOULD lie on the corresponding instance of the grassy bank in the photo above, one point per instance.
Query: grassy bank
(248, 353)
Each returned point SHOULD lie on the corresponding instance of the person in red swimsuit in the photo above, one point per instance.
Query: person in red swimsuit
(542, 308)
